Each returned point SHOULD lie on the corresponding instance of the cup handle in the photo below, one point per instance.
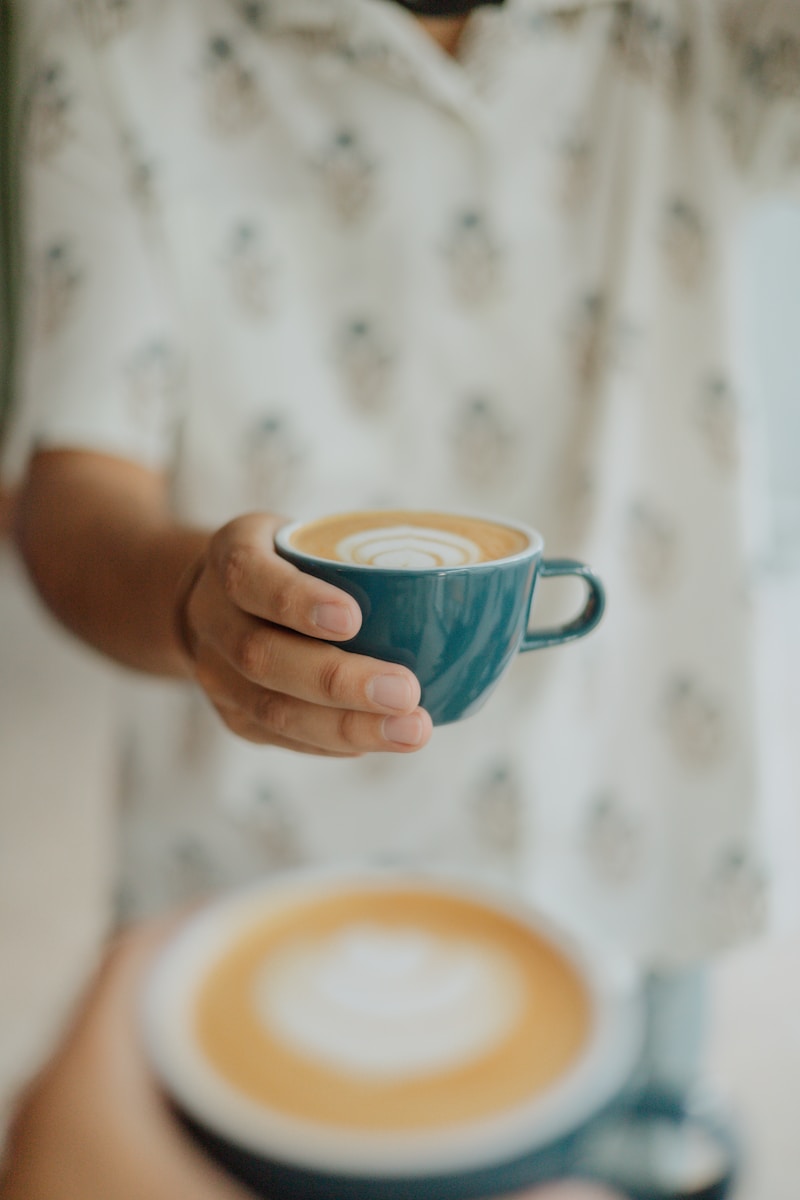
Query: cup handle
(586, 620)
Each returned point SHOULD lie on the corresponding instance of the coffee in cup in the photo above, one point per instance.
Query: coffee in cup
(355, 1036)
(402, 540)
(447, 595)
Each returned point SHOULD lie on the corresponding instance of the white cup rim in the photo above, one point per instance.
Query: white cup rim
(535, 541)
(593, 1080)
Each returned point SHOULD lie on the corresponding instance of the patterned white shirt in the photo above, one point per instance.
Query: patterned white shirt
(290, 253)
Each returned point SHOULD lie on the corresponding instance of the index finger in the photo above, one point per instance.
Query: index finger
(257, 580)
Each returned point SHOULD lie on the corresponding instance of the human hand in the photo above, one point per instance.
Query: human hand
(173, 599)
(259, 633)
(94, 1125)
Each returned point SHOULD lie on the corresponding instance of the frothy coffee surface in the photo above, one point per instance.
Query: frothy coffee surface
(390, 1010)
(387, 1003)
(405, 539)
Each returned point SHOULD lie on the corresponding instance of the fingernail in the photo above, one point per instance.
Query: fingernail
(391, 691)
(333, 618)
(406, 731)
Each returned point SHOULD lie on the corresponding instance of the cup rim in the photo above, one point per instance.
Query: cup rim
(535, 541)
(594, 1078)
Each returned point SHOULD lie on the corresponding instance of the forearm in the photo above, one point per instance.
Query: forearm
(107, 557)
(7, 508)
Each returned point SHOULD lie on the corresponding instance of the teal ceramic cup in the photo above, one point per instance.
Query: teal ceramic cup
(447, 595)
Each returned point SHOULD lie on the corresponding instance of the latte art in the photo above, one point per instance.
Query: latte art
(389, 1009)
(376, 1036)
(389, 1003)
(408, 547)
(408, 539)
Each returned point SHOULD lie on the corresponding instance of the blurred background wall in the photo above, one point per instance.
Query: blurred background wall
(770, 311)
(769, 333)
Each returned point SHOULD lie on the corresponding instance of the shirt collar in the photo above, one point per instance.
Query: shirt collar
(383, 37)
(319, 15)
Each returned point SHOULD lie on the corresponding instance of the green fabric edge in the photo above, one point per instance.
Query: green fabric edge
(8, 210)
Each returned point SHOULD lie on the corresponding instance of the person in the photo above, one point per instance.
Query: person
(300, 256)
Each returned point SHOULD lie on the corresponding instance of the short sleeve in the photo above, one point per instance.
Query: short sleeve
(99, 361)
(757, 89)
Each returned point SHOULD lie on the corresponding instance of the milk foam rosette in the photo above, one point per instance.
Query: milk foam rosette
(408, 547)
(388, 1003)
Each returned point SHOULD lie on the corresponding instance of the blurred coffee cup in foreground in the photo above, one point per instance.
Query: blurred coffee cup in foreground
(448, 595)
(372, 1035)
